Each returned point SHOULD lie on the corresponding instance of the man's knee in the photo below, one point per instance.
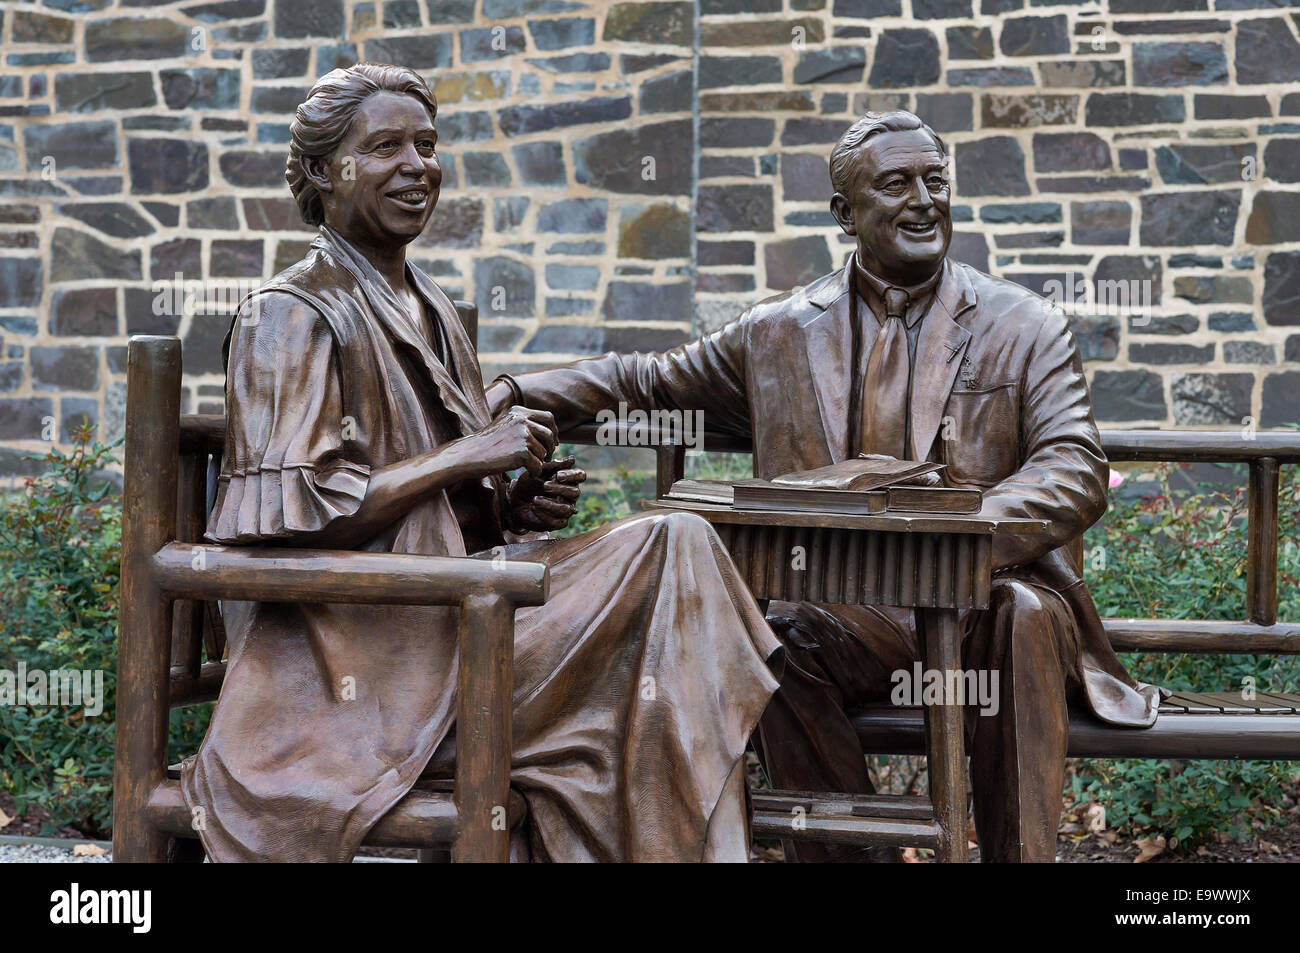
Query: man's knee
(1022, 631)
(1016, 601)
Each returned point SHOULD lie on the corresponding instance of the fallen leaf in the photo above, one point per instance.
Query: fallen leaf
(1094, 817)
(1271, 848)
(88, 850)
(1149, 847)
(1202, 851)
(5, 819)
(1109, 836)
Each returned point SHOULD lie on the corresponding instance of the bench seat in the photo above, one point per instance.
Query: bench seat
(1191, 725)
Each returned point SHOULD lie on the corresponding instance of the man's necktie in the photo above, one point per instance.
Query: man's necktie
(885, 390)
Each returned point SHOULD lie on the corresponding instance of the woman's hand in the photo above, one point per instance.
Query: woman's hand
(546, 501)
(518, 438)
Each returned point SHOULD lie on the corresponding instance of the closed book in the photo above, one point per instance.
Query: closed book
(766, 495)
(769, 495)
(934, 499)
(701, 491)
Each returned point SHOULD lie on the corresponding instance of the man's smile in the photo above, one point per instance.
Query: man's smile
(919, 229)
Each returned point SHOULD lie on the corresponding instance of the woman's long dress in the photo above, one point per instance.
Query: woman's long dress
(636, 685)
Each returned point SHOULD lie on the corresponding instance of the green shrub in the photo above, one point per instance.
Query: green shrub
(1181, 553)
(60, 549)
(617, 494)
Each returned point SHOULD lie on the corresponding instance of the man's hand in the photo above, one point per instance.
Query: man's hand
(546, 501)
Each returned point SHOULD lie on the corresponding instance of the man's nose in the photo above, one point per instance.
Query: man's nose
(920, 194)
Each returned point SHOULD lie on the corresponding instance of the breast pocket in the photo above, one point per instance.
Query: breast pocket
(981, 437)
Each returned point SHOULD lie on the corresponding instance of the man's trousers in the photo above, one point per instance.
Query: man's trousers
(840, 657)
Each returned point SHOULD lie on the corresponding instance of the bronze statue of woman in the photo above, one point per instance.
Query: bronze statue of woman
(356, 419)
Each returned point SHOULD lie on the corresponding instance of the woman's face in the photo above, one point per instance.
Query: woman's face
(384, 176)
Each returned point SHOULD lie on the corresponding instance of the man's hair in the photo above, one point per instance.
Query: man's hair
(323, 120)
(843, 167)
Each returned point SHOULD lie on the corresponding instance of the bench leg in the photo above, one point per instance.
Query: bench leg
(144, 629)
(483, 728)
(670, 466)
(945, 744)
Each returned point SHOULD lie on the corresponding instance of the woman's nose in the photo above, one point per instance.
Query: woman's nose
(410, 159)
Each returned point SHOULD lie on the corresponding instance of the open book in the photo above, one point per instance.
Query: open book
(858, 486)
(856, 473)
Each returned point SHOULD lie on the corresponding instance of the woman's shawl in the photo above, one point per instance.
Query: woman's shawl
(329, 712)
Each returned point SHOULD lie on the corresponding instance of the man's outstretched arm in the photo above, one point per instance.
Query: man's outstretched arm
(708, 374)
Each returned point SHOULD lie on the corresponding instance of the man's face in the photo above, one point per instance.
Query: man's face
(899, 207)
(385, 175)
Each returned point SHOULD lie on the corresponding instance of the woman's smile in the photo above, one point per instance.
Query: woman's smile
(413, 198)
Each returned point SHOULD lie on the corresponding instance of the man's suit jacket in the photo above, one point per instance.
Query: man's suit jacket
(998, 394)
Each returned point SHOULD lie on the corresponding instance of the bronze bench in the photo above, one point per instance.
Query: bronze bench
(172, 580)
(169, 618)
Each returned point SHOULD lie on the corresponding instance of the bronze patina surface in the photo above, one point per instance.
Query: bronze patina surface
(357, 419)
(906, 352)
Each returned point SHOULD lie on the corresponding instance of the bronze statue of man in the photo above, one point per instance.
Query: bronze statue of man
(908, 353)
(356, 419)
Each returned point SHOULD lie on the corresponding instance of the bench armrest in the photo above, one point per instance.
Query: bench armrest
(273, 574)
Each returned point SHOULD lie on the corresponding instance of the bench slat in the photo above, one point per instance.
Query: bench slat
(1196, 701)
(1264, 735)
(1233, 702)
(858, 805)
(848, 829)
(1289, 702)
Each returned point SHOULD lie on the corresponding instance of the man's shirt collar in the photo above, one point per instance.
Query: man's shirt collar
(872, 289)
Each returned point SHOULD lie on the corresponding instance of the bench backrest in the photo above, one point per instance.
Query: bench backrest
(196, 626)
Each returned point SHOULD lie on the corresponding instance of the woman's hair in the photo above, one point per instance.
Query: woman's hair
(323, 120)
(844, 169)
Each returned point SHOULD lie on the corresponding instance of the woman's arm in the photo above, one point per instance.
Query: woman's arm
(291, 478)
(519, 438)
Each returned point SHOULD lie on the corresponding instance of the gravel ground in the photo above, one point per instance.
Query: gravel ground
(29, 853)
(41, 854)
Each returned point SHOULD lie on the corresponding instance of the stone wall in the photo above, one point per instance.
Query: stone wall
(622, 175)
